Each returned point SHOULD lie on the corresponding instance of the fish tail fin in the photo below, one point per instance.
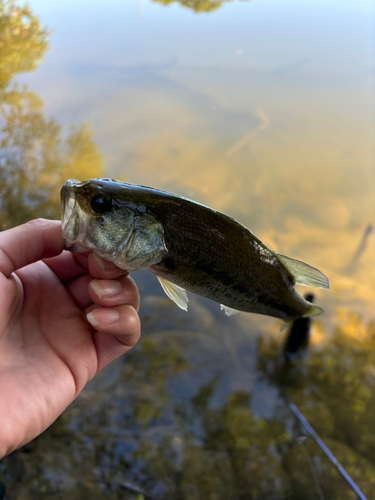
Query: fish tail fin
(302, 273)
(313, 311)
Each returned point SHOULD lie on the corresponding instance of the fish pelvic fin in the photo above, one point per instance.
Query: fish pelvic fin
(304, 274)
(229, 311)
(175, 293)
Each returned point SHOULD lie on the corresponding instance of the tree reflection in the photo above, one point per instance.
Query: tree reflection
(198, 5)
(22, 40)
(335, 391)
(139, 432)
(34, 157)
(236, 455)
(228, 452)
(136, 428)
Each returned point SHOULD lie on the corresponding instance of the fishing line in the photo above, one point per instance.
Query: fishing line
(300, 442)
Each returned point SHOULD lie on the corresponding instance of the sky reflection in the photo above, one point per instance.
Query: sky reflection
(260, 109)
(264, 110)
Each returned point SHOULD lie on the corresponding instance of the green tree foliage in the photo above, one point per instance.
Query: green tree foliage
(198, 6)
(35, 158)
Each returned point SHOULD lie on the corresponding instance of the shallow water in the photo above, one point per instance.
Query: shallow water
(263, 110)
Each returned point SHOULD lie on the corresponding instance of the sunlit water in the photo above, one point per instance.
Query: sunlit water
(262, 110)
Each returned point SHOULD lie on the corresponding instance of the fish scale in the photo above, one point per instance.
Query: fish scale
(188, 246)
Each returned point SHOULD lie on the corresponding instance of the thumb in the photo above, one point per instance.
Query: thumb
(28, 243)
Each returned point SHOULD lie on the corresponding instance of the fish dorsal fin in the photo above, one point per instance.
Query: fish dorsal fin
(175, 293)
(228, 310)
(304, 274)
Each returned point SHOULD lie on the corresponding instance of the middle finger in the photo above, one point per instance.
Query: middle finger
(110, 293)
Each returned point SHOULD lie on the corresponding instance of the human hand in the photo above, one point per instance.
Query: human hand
(48, 349)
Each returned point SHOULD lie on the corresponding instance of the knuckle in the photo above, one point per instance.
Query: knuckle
(40, 222)
(133, 324)
(132, 291)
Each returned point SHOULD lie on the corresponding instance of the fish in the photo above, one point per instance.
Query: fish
(187, 245)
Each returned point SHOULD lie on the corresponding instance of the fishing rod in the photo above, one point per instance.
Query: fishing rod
(323, 447)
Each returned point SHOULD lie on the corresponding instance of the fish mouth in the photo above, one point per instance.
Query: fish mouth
(73, 219)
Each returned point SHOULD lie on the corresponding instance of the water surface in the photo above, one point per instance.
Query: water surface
(263, 110)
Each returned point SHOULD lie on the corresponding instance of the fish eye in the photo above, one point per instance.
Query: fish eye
(100, 204)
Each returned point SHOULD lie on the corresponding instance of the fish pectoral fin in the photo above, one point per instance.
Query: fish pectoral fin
(175, 293)
(304, 274)
(228, 310)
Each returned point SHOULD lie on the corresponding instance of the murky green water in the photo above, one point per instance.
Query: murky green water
(261, 109)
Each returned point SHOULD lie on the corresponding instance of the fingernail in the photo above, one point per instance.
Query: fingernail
(100, 262)
(102, 317)
(105, 265)
(106, 288)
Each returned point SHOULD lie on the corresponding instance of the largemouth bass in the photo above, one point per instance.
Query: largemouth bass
(188, 246)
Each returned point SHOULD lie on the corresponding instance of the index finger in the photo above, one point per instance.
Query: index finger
(28, 243)
(104, 269)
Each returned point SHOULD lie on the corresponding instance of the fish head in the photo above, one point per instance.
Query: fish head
(101, 215)
(93, 218)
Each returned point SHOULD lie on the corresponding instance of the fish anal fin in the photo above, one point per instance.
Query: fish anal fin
(229, 311)
(304, 274)
(175, 293)
(285, 324)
